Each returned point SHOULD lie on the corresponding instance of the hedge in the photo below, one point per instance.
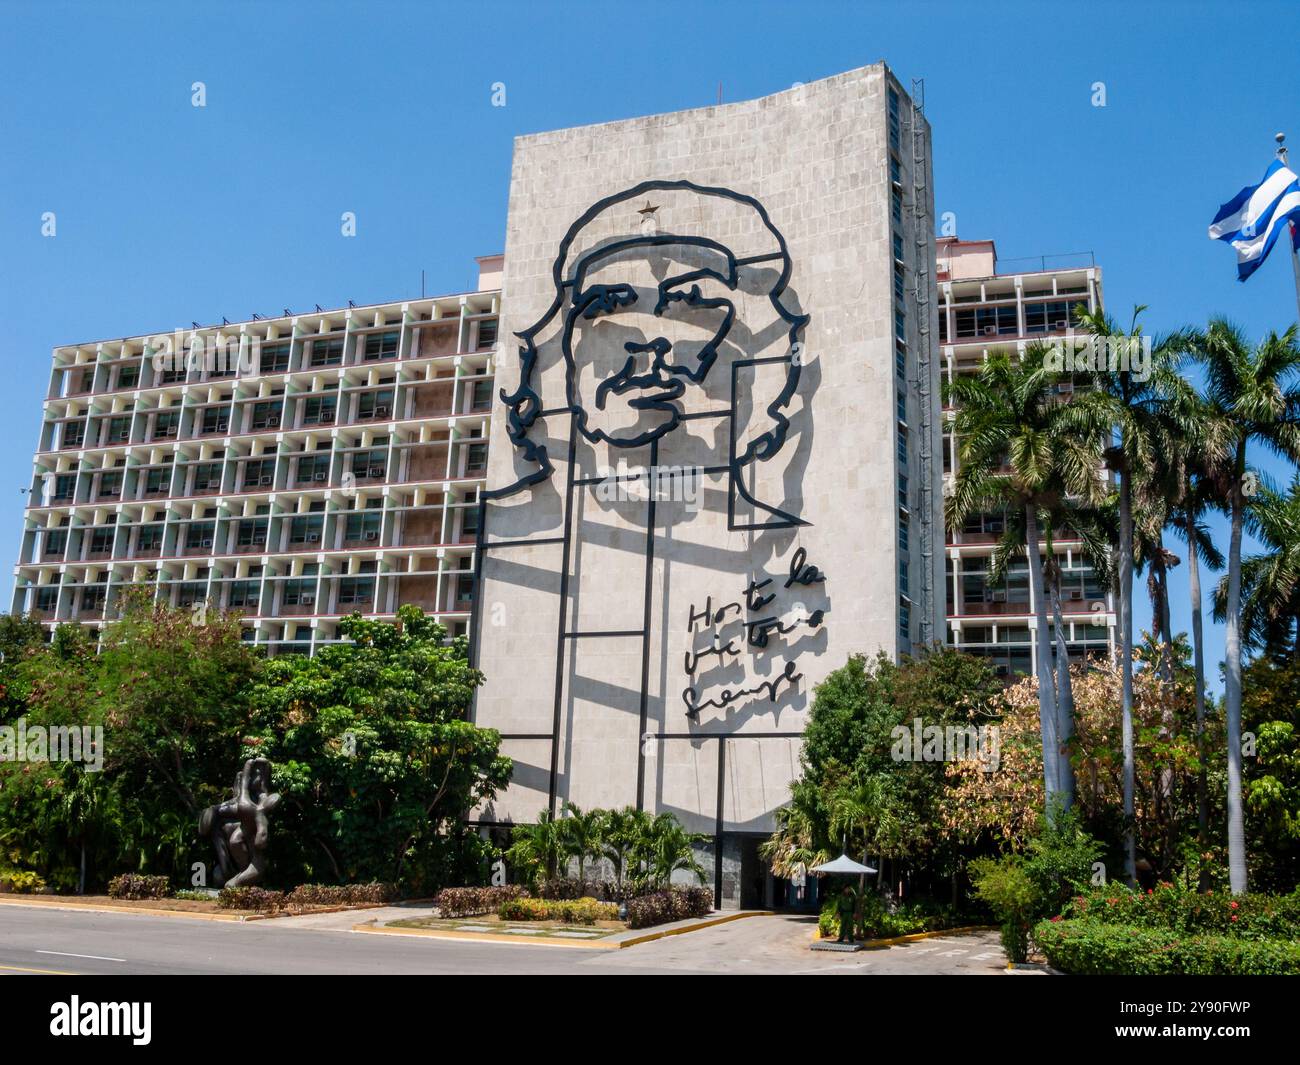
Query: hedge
(251, 898)
(1246, 916)
(675, 904)
(570, 911)
(472, 901)
(139, 886)
(1088, 946)
(341, 894)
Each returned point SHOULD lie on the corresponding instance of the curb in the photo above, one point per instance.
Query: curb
(100, 907)
(485, 937)
(869, 944)
(712, 922)
(552, 941)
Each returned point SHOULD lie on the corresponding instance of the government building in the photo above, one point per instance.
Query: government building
(679, 455)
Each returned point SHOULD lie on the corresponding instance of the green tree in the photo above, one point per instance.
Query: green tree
(375, 757)
(664, 847)
(1019, 449)
(620, 832)
(539, 850)
(1253, 398)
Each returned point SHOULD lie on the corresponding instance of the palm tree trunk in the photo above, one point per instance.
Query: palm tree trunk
(1167, 625)
(1160, 617)
(1126, 666)
(1064, 697)
(1046, 692)
(1198, 668)
(1232, 691)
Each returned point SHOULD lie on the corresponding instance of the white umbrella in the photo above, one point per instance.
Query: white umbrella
(843, 864)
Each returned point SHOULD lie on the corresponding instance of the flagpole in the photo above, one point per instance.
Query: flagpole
(1295, 256)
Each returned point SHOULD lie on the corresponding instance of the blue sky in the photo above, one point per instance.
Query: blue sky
(168, 213)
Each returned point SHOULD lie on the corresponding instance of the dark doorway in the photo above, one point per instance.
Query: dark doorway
(753, 875)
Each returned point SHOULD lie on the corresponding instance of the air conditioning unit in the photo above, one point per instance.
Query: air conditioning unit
(990, 330)
(206, 543)
(999, 597)
(1060, 323)
(1076, 593)
(313, 538)
(273, 421)
(318, 476)
(381, 412)
(1065, 386)
(370, 535)
(375, 471)
(994, 527)
(307, 600)
(264, 480)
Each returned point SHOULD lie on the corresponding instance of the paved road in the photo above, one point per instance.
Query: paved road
(40, 939)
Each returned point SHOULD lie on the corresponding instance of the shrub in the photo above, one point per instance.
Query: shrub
(570, 911)
(22, 882)
(193, 896)
(1179, 909)
(251, 898)
(1005, 886)
(341, 894)
(877, 921)
(472, 901)
(1090, 946)
(139, 886)
(674, 904)
(570, 887)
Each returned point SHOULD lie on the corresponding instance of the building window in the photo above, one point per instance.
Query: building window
(199, 535)
(119, 429)
(900, 357)
(481, 396)
(464, 589)
(468, 521)
(900, 325)
(902, 489)
(363, 528)
(252, 533)
(487, 334)
(128, 376)
(326, 352)
(902, 447)
(165, 424)
(56, 542)
(305, 530)
(216, 419)
(101, 540)
(242, 594)
(381, 346)
(207, 477)
(110, 484)
(353, 590)
(375, 404)
(319, 410)
(899, 290)
(267, 415)
(313, 469)
(64, 485)
(275, 358)
(476, 460)
(904, 620)
(149, 538)
(902, 578)
(904, 528)
(74, 433)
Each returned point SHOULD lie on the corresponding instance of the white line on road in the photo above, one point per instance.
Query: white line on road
(92, 957)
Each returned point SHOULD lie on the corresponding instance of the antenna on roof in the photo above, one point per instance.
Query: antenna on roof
(719, 92)
(351, 304)
(288, 313)
(195, 324)
(224, 320)
(256, 317)
(319, 307)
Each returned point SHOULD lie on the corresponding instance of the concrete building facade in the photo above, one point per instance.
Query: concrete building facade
(295, 469)
(987, 305)
(714, 474)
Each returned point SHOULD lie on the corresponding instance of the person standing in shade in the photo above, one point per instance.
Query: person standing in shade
(845, 907)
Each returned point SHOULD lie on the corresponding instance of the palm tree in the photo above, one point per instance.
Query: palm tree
(1270, 580)
(540, 847)
(664, 848)
(582, 834)
(1092, 525)
(1019, 449)
(1252, 397)
(1125, 404)
(622, 829)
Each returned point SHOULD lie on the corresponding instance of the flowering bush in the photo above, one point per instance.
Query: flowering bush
(1188, 912)
(1092, 946)
(570, 911)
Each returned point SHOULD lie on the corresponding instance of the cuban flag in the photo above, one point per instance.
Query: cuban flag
(1253, 219)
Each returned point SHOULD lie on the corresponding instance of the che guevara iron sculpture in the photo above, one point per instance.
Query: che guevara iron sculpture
(239, 828)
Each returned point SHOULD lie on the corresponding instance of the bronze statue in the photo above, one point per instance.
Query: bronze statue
(239, 828)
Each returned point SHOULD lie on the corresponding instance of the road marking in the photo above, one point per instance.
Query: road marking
(92, 957)
(46, 972)
(952, 953)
